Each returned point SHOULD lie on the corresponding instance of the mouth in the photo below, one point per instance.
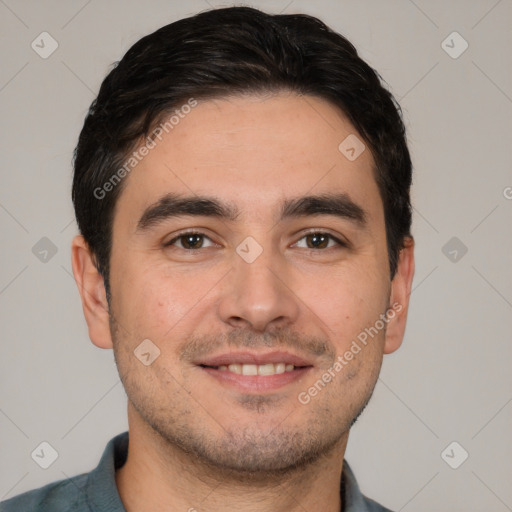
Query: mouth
(250, 372)
(255, 369)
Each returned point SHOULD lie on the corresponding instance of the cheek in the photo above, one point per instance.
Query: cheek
(152, 307)
(159, 301)
(350, 299)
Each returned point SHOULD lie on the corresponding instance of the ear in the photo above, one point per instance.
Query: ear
(92, 292)
(399, 297)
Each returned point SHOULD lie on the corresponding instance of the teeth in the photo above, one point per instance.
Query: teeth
(235, 368)
(258, 369)
(280, 367)
(266, 369)
(249, 369)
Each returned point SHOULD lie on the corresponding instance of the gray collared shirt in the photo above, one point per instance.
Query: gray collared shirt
(96, 491)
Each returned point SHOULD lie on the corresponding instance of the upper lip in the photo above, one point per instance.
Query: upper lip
(254, 358)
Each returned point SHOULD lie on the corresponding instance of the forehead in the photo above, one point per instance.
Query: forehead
(254, 151)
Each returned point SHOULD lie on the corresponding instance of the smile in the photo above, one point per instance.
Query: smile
(256, 369)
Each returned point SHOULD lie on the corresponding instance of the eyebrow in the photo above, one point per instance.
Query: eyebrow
(174, 205)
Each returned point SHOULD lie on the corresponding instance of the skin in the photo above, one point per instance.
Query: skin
(194, 442)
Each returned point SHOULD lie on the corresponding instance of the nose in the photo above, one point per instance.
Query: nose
(259, 295)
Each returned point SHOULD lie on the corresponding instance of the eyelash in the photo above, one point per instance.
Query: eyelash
(340, 243)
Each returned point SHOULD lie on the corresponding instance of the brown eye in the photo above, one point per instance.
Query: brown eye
(189, 241)
(320, 240)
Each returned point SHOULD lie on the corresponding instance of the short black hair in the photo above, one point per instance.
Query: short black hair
(226, 52)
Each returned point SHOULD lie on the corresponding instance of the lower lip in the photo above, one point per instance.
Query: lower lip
(256, 382)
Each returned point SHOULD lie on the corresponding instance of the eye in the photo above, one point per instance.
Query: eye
(194, 240)
(320, 240)
(190, 240)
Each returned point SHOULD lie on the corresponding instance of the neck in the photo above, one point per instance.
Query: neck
(158, 477)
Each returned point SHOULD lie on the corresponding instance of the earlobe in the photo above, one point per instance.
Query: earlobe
(92, 293)
(399, 297)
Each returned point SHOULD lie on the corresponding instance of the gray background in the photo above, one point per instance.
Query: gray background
(450, 381)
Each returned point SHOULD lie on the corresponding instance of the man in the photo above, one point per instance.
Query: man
(241, 186)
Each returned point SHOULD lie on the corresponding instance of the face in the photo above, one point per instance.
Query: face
(254, 298)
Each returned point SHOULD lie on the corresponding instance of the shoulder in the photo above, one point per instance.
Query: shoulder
(60, 496)
(352, 497)
(373, 506)
(86, 492)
